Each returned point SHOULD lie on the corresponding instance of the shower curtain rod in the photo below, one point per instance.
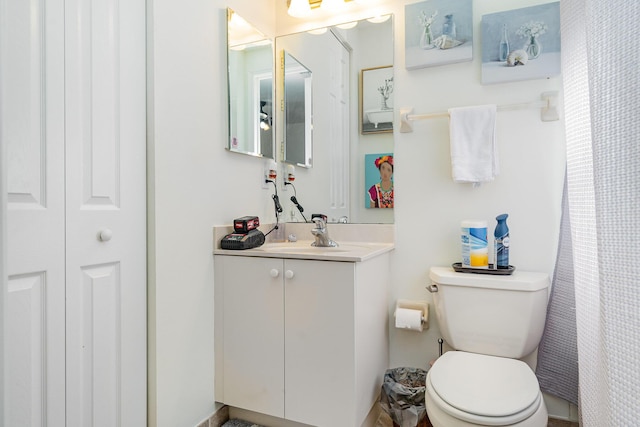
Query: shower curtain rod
(547, 104)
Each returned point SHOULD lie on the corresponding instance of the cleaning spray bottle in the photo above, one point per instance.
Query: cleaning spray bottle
(501, 243)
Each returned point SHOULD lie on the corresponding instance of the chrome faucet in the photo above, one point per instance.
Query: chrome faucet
(321, 233)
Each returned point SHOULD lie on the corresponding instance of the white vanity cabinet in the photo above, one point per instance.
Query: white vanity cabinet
(304, 340)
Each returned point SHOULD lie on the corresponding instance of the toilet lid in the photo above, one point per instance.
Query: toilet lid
(483, 385)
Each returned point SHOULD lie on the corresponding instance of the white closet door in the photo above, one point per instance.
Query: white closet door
(72, 117)
(106, 222)
(32, 129)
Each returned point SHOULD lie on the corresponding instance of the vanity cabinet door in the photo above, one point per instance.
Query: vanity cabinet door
(302, 340)
(319, 342)
(253, 333)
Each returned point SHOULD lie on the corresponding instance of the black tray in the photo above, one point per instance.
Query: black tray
(457, 266)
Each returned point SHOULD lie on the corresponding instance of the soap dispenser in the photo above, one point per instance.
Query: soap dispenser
(501, 243)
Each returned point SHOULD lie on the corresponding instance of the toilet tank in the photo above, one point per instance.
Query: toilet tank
(499, 315)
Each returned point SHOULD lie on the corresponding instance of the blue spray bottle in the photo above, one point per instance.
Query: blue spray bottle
(501, 243)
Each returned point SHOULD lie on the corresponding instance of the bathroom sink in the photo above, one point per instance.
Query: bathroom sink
(305, 247)
(304, 250)
(310, 249)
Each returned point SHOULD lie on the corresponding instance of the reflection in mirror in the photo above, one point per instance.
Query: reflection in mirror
(250, 77)
(298, 112)
(335, 185)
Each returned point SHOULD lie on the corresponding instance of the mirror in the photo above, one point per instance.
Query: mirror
(298, 114)
(332, 181)
(250, 79)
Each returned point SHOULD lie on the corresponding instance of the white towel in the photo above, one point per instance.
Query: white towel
(474, 155)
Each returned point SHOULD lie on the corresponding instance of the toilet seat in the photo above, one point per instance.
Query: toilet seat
(481, 389)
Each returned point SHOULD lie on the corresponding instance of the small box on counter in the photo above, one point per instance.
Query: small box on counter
(246, 224)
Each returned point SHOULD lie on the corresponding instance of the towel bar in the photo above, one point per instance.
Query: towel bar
(548, 105)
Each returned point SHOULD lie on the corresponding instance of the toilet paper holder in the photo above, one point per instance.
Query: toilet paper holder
(421, 306)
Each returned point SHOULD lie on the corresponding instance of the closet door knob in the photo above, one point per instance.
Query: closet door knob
(274, 272)
(105, 235)
(288, 274)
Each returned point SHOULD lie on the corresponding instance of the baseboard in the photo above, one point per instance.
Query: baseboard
(217, 419)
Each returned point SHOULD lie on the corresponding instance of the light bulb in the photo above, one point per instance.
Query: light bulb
(348, 25)
(299, 8)
(379, 19)
(318, 31)
(332, 5)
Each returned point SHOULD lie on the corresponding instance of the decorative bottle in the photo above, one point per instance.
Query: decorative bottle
(504, 44)
(501, 242)
(426, 38)
(449, 27)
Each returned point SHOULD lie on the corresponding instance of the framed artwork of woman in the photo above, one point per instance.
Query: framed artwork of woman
(379, 180)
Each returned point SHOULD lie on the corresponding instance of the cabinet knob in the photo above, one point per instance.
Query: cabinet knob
(274, 272)
(288, 274)
(105, 235)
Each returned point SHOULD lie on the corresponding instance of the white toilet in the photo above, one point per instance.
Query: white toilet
(490, 321)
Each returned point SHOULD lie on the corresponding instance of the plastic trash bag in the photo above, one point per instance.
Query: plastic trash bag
(239, 423)
(402, 395)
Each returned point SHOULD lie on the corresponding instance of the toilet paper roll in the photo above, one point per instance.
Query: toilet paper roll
(407, 318)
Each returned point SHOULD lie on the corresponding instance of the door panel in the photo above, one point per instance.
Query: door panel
(32, 117)
(253, 333)
(94, 308)
(106, 219)
(319, 342)
(26, 315)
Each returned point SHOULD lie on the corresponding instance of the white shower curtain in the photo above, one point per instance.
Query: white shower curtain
(601, 73)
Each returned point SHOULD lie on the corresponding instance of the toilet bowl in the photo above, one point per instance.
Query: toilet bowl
(470, 390)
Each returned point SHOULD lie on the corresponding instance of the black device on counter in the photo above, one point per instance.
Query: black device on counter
(245, 236)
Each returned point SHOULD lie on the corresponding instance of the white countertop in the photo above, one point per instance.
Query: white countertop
(356, 243)
(347, 252)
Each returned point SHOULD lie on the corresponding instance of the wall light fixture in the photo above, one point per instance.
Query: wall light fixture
(299, 8)
(302, 8)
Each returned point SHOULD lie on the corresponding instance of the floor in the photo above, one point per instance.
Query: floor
(561, 423)
(223, 415)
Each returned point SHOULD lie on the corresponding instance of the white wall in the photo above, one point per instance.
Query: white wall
(429, 206)
(3, 261)
(195, 183)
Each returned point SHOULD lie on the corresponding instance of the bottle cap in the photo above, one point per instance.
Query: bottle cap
(474, 223)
